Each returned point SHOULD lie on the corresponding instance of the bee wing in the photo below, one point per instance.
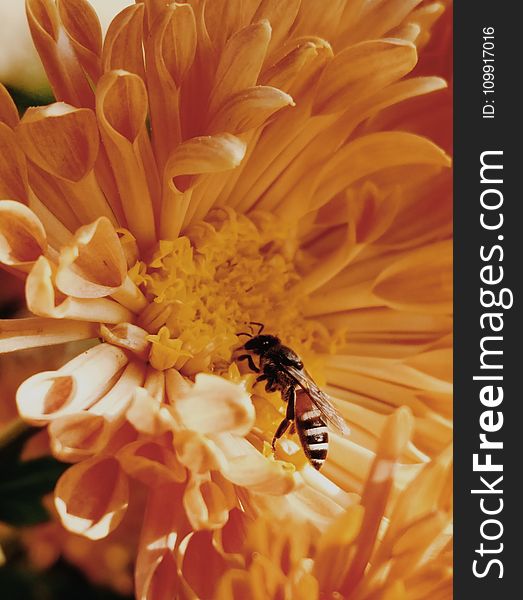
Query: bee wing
(319, 399)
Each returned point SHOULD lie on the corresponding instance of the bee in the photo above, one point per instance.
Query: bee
(309, 410)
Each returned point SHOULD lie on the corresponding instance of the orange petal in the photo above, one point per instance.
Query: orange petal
(361, 70)
(8, 110)
(248, 468)
(122, 47)
(57, 54)
(61, 139)
(205, 504)
(74, 387)
(121, 107)
(372, 153)
(240, 62)
(94, 265)
(19, 334)
(421, 281)
(13, 168)
(22, 235)
(64, 141)
(208, 154)
(164, 526)
(215, 405)
(249, 109)
(41, 300)
(91, 497)
(83, 28)
(151, 463)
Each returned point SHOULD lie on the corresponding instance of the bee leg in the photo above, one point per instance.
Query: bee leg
(282, 428)
(290, 398)
(250, 362)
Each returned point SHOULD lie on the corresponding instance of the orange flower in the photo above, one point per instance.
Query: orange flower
(206, 167)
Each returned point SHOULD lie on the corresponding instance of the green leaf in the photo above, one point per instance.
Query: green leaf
(24, 483)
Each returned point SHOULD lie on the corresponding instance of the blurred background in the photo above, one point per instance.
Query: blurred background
(37, 560)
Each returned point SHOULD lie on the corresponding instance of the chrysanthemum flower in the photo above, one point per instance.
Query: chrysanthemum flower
(208, 165)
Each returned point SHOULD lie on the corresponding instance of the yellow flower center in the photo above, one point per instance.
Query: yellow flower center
(210, 284)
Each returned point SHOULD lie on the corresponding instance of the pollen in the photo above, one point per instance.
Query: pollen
(208, 285)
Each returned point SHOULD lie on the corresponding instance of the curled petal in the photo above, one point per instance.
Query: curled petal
(83, 28)
(127, 336)
(164, 526)
(196, 156)
(362, 70)
(60, 139)
(205, 504)
(8, 110)
(175, 41)
(372, 153)
(91, 497)
(249, 109)
(286, 70)
(65, 74)
(240, 62)
(122, 47)
(22, 235)
(13, 168)
(215, 405)
(145, 413)
(94, 265)
(206, 154)
(79, 435)
(248, 468)
(41, 300)
(421, 282)
(197, 452)
(151, 463)
(121, 108)
(19, 334)
(74, 387)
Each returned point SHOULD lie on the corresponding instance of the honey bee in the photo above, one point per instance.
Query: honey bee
(309, 410)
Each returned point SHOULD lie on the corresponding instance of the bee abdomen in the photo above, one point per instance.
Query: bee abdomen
(314, 437)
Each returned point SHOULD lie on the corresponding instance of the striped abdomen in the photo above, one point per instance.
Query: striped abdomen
(313, 432)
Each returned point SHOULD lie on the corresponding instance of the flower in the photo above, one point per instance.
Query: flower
(205, 168)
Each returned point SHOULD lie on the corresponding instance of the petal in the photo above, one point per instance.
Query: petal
(205, 504)
(361, 70)
(371, 153)
(13, 169)
(215, 405)
(60, 139)
(19, 334)
(67, 79)
(91, 497)
(94, 265)
(121, 108)
(122, 47)
(207, 154)
(422, 281)
(41, 300)
(249, 109)
(74, 387)
(83, 28)
(249, 468)
(151, 463)
(240, 62)
(8, 110)
(22, 235)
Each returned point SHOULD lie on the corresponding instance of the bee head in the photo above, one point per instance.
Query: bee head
(261, 343)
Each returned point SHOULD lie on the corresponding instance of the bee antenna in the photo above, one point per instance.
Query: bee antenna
(260, 325)
(244, 333)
